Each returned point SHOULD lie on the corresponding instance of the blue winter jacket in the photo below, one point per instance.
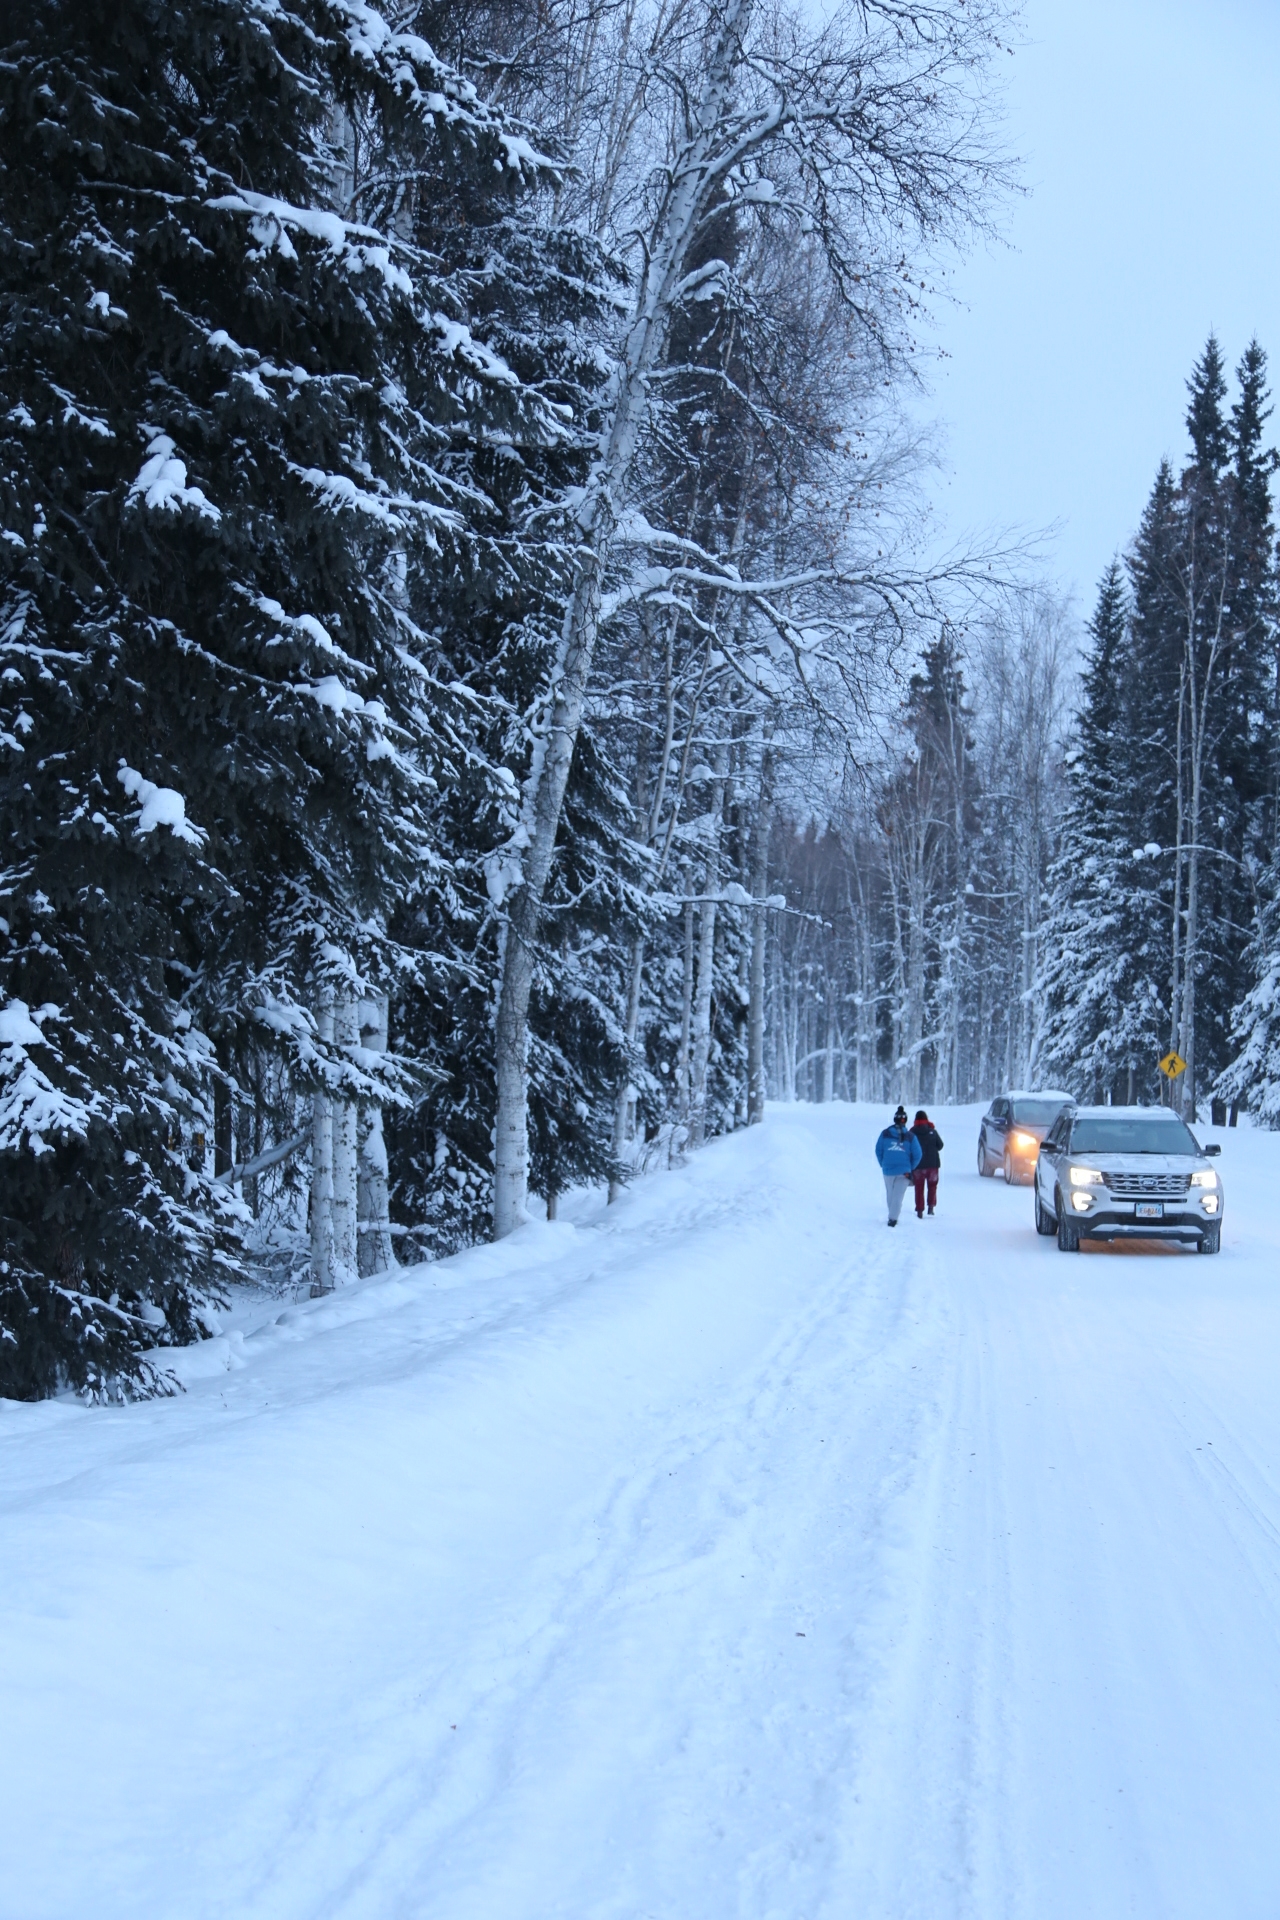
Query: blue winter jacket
(898, 1151)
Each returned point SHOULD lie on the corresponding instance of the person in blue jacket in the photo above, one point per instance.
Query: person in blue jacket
(898, 1152)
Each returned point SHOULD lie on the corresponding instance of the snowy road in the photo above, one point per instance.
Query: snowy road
(721, 1557)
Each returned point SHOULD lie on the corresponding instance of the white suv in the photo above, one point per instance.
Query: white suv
(1127, 1173)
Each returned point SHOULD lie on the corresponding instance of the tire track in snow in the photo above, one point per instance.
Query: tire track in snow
(927, 1838)
(672, 1657)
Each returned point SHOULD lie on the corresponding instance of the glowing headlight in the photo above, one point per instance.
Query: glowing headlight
(1024, 1142)
(1204, 1177)
(1082, 1202)
(1210, 1203)
(1085, 1177)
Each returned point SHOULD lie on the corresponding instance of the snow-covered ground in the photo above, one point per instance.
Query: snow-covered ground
(719, 1554)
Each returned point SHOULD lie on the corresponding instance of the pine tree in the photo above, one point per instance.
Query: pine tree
(1104, 984)
(1148, 697)
(537, 297)
(1253, 761)
(1241, 793)
(229, 405)
(1151, 727)
(1253, 1075)
(1222, 707)
(1206, 420)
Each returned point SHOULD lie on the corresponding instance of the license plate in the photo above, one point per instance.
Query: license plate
(1150, 1210)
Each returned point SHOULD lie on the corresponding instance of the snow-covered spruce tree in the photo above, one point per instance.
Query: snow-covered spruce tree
(940, 720)
(1105, 980)
(538, 295)
(1243, 884)
(1257, 609)
(1216, 677)
(450, 937)
(225, 399)
(1253, 1074)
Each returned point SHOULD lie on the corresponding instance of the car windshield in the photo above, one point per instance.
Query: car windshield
(1036, 1113)
(1131, 1136)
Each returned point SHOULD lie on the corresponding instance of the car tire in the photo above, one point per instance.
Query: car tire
(1210, 1240)
(984, 1168)
(1045, 1222)
(1068, 1235)
(1010, 1171)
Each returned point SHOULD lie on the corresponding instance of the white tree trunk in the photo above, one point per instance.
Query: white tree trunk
(707, 959)
(1201, 690)
(346, 1035)
(742, 1086)
(322, 1169)
(701, 1050)
(603, 500)
(759, 944)
(829, 1057)
(625, 1104)
(376, 1253)
(686, 1019)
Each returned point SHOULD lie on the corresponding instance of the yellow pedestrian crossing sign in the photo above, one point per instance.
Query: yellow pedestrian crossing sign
(1172, 1065)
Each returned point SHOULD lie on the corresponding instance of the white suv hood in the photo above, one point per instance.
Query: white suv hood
(1139, 1162)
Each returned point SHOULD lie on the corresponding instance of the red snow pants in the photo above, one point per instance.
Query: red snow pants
(921, 1177)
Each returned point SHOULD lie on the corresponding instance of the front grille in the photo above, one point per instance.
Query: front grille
(1148, 1186)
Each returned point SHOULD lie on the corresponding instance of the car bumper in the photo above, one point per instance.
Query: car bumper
(1113, 1223)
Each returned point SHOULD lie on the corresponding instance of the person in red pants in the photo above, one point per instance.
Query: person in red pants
(930, 1165)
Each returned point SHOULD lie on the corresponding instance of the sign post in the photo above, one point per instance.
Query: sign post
(1172, 1065)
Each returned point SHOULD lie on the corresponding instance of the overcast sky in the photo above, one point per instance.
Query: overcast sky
(1150, 133)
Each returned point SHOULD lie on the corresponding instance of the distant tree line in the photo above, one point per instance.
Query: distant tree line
(915, 969)
(1055, 873)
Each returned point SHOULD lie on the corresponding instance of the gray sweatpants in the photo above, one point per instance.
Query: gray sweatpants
(896, 1186)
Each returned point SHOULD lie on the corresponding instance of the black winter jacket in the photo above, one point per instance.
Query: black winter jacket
(930, 1145)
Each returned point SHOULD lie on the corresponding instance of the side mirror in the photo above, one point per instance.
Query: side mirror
(1212, 1148)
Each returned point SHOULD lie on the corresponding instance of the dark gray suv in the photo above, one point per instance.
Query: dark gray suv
(1011, 1130)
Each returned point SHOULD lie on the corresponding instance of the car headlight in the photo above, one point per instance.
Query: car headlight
(1204, 1177)
(1085, 1177)
(1023, 1141)
(1082, 1202)
(1210, 1203)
